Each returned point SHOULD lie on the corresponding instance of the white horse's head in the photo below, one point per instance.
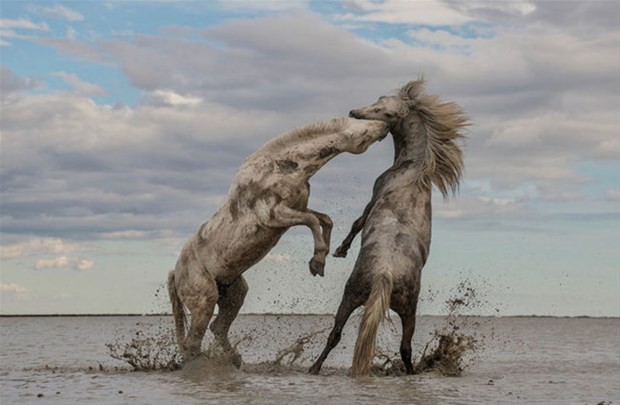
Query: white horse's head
(358, 135)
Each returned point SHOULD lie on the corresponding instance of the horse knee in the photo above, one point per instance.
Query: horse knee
(327, 222)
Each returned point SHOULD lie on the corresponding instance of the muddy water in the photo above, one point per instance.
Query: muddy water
(516, 360)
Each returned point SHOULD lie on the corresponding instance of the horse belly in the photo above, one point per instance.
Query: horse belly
(245, 247)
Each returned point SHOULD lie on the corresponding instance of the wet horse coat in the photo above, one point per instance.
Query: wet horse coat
(268, 195)
(396, 223)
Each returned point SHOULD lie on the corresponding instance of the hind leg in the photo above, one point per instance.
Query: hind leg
(346, 308)
(199, 297)
(408, 323)
(230, 300)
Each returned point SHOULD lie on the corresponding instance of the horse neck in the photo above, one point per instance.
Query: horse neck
(312, 153)
(410, 142)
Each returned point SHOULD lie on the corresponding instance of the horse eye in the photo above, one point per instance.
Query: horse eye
(389, 115)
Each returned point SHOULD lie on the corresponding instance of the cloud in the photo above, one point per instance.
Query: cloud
(22, 23)
(37, 246)
(482, 208)
(84, 264)
(431, 12)
(11, 83)
(71, 46)
(129, 234)
(264, 5)
(542, 99)
(254, 64)
(170, 98)
(61, 262)
(80, 87)
(612, 195)
(13, 288)
(9, 29)
(161, 153)
(57, 262)
(57, 11)
(557, 132)
(63, 252)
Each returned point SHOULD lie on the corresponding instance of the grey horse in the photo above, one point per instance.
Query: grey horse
(268, 195)
(396, 223)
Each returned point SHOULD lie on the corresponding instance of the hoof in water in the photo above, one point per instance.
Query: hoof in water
(317, 267)
(235, 359)
(203, 368)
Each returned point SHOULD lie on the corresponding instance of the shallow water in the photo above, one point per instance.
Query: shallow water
(518, 360)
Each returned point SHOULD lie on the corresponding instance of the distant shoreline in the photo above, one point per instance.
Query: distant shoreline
(276, 314)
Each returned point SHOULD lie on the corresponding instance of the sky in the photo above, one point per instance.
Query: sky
(123, 123)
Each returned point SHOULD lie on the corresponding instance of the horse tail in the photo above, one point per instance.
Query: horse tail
(375, 310)
(177, 310)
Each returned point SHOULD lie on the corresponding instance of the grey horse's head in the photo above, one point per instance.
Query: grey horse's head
(391, 109)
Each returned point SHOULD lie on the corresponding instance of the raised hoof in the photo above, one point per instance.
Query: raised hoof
(317, 267)
(340, 252)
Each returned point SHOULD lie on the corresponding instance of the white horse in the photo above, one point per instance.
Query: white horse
(268, 195)
(396, 223)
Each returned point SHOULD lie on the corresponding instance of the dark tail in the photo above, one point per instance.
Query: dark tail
(376, 307)
(177, 311)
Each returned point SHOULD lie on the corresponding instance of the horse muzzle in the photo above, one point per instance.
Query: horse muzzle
(356, 114)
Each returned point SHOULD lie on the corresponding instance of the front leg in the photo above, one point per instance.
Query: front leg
(341, 251)
(357, 226)
(326, 224)
(282, 216)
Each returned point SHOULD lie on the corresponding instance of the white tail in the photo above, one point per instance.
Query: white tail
(177, 311)
(376, 307)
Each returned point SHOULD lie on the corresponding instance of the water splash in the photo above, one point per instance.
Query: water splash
(447, 350)
(447, 353)
(216, 353)
(148, 353)
(453, 345)
(289, 359)
(297, 348)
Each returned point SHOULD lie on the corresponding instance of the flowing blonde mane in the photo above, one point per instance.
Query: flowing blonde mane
(443, 122)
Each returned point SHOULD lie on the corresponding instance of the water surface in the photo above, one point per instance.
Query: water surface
(519, 360)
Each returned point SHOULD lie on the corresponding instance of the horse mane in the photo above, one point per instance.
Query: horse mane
(443, 122)
(309, 131)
